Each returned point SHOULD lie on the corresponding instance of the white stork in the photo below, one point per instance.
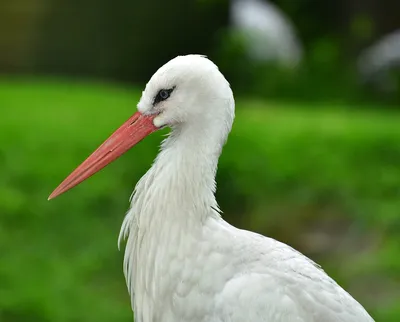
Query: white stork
(183, 262)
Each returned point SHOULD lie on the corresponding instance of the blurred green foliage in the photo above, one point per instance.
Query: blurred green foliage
(101, 39)
(129, 41)
(325, 74)
(325, 180)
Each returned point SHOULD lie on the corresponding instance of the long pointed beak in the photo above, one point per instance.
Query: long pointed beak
(135, 129)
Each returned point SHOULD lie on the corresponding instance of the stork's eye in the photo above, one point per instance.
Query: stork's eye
(162, 95)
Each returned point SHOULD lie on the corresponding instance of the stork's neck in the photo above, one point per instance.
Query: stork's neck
(183, 175)
(171, 205)
(179, 188)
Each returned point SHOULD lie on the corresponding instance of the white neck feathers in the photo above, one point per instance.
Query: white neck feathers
(170, 203)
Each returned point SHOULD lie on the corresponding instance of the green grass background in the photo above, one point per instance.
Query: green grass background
(324, 179)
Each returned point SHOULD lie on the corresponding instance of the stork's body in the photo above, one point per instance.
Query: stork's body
(183, 262)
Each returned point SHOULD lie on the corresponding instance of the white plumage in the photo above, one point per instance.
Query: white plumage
(183, 262)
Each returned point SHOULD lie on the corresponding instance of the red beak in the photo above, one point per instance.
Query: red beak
(135, 129)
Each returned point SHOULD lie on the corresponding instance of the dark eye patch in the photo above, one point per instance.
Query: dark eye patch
(162, 95)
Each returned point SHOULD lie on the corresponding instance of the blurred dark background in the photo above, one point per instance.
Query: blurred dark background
(313, 158)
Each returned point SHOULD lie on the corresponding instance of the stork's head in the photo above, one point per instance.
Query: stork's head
(187, 92)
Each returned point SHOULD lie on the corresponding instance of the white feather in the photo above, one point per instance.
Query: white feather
(183, 262)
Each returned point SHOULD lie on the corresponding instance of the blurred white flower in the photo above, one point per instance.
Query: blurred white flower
(377, 61)
(268, 33)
